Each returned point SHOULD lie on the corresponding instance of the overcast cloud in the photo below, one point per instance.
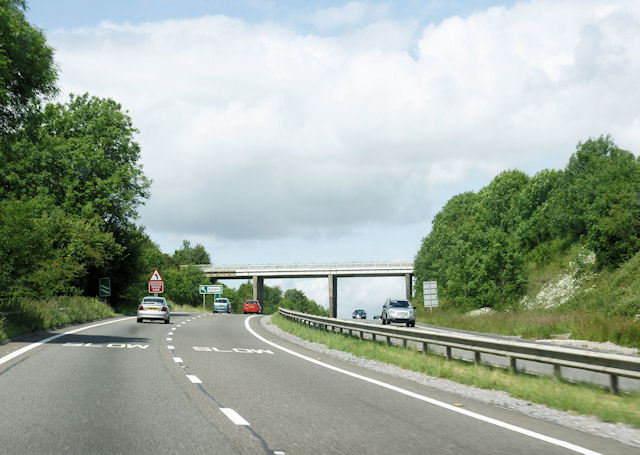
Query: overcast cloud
(260, 137)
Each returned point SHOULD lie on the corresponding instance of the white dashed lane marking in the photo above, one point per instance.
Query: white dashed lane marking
(234, 416)
(194, 379)
(177, 359)
(171, 347)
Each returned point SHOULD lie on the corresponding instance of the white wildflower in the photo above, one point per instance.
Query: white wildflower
(558, 292)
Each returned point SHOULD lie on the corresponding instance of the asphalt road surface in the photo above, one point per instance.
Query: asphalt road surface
(221, 384)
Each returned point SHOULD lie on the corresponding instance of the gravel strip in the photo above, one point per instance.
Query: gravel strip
(619, 432)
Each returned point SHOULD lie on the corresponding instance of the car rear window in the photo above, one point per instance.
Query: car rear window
(399, 303)
(152, 300)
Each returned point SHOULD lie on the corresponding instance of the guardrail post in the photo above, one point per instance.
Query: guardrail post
(350, 332)
(404, 343)
(361, 334)
(512, 364)
(613, 384)
(448, 352)
(476, 357)
(373, 336)
(557, 371)
(389, 340)
(425, 347)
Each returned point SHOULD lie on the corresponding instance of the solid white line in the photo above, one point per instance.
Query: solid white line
(234, 416)
(21, 351)
(194, 379)
(474, 415)
(177, 360)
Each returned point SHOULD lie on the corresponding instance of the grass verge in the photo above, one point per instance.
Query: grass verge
(577, 398)
(579, 324)
(33, 315)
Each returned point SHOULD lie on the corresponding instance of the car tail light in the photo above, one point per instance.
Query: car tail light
(141, 308)
(164, 308)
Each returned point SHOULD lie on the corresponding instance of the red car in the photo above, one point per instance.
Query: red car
(252, 306)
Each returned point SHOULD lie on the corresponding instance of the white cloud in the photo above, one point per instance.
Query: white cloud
(255, 131)
(351, 14)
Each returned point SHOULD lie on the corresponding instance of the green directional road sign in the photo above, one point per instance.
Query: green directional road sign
(104, 287)
(210, 289)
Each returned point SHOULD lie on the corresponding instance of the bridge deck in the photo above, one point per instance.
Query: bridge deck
(309, 270)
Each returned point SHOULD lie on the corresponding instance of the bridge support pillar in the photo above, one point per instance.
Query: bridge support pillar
(408, 279)
(258, 289)
(333, 296)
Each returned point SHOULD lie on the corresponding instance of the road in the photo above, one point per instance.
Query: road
(222, 384)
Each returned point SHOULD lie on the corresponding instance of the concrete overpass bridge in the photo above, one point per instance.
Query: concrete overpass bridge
(333, 271)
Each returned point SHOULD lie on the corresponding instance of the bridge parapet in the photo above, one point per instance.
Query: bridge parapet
(343, 269)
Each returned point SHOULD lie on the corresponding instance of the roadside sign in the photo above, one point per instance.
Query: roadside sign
(430, 291)
(210, 289)
(156, 284)
(104, 287)
(155, 276)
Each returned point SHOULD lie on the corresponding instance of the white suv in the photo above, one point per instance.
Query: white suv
(398, 311)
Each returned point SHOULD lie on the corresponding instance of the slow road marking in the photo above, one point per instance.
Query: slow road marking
(110, 345)
(236, 350)
(28, 348)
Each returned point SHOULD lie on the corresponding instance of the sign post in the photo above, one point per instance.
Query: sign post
(156, 283)
(104, 287)
(210, 289)
(430, 291)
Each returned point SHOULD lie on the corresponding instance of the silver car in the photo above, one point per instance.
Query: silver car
(154, 308)
(221, 305)
(398, 311)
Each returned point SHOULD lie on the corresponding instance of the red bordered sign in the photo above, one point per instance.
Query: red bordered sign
(156, 283)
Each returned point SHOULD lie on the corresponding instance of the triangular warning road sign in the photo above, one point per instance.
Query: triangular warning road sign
(155, 276)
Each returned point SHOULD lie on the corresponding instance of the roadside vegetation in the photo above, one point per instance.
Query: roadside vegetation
(563, 301)
(576, 398)
(556, 254)
(71, 184)
(33, 315)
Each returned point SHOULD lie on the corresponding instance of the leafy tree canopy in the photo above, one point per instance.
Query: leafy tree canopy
(27, 70)
(83, 156)
(191, 254)
(479, 242)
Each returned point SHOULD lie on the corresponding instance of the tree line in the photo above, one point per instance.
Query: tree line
(481, 242)
(70, 180)
(71, 184)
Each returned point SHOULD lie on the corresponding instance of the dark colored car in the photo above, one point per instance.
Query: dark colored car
(359, 314)
(398, 311)
(252, 306)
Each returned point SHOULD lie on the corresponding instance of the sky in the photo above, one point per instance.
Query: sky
(334, 131)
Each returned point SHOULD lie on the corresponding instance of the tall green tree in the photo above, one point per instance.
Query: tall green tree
(83, 155)
(27, 70)
(191, 254)
(45, 251)
(295, 299)
(601, 200)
